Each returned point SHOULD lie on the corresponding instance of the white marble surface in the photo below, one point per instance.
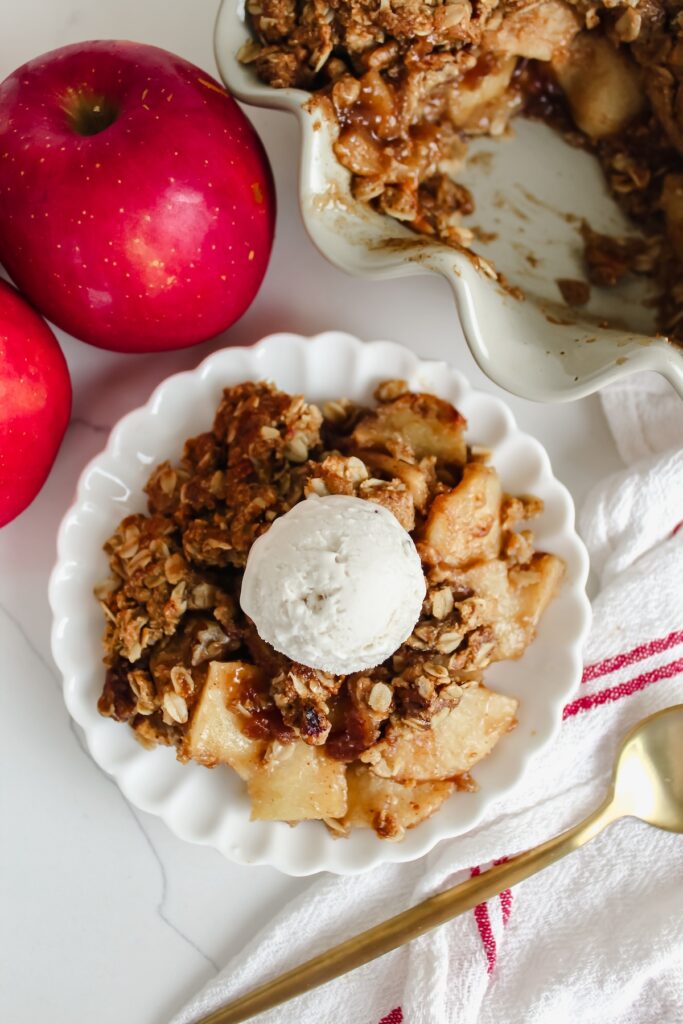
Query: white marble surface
(104, 915)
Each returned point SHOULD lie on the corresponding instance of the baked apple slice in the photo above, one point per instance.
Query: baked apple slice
(454, 743)
(296, 781)
(387, 806)
(215, 732)
(463, 525)
(421, 423)
(516, 598)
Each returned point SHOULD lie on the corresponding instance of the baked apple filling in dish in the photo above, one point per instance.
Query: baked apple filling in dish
(408, 82)
(380, 748)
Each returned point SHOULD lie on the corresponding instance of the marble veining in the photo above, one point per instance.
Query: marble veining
(76, 732)
(161, 905)
(35, 651)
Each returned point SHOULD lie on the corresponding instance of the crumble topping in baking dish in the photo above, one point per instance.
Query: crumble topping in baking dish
(410, 81)
(380, 748)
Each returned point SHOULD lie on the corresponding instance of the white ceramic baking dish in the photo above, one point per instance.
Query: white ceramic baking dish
(531, 191)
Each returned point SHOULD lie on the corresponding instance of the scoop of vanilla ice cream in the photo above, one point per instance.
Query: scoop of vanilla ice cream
(335, 584)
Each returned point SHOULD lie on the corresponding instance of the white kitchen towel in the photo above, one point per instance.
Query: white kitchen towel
(645, 414)
(597, 938)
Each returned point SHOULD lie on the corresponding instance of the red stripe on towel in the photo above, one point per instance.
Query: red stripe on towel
(617, 661)
(613, 693)
(394, 1017)
(505, 897)
(481, 916)
(506, 904)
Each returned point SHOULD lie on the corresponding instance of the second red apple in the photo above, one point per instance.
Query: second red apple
(35, 402)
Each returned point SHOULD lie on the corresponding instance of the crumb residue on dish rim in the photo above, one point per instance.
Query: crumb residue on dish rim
(568, 218)
(573, 291)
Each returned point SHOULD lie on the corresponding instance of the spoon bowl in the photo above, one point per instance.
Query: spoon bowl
(648, 777)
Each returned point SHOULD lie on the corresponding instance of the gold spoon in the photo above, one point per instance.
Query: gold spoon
(647, 784)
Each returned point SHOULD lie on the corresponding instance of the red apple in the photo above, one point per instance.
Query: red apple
(136, 200)
(35, 402)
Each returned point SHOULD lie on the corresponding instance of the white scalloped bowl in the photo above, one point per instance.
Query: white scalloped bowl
(211, 806)
(531, 191)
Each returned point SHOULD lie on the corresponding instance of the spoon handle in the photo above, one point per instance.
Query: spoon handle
(404, 927)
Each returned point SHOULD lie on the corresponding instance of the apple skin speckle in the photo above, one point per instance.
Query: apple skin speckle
(192, 182)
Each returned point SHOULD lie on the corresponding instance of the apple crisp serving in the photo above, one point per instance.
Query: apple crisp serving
(408, 82)
(379, 749)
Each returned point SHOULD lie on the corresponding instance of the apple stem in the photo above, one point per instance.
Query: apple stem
(87, 112)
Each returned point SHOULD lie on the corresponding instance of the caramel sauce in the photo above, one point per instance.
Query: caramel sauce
(374, 121)
(117, 700)
(351, 741)
(252, 692)
(543, 98)
(351, 734)
(486, 64)
(266, 724)
(376, 107)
